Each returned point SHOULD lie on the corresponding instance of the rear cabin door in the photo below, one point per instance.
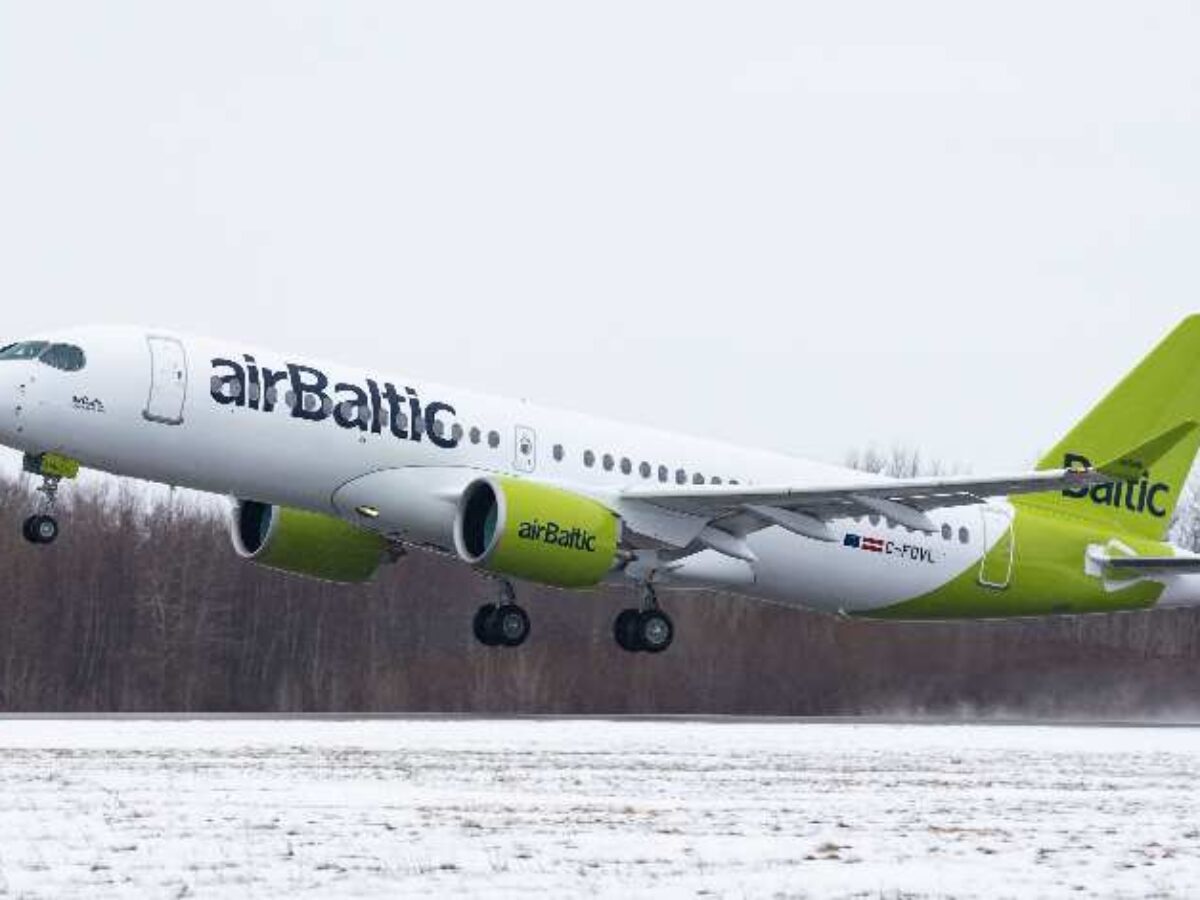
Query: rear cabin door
(995, 569)
(168, 381)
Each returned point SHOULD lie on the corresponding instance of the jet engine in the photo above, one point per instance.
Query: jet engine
(306, 543)
(536, 532)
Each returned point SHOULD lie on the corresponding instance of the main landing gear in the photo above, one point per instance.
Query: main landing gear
(645, 630)
(42, 527)
(503, 623)
(648, 629)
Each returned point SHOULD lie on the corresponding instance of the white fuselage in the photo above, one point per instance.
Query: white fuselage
(153, 405)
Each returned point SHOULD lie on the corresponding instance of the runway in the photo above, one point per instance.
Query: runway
(232, 807)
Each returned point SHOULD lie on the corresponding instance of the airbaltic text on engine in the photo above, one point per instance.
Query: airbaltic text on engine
(553, 533)
(249, 385)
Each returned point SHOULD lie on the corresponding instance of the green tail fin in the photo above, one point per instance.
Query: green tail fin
(1153, 403)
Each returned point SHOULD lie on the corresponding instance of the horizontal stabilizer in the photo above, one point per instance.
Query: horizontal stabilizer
(1146, 565)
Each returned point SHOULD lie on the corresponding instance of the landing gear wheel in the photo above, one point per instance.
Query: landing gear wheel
(506, 625)
(625, 630)
(481, 625)
(40, 529)
(655, 630)
(510, 625)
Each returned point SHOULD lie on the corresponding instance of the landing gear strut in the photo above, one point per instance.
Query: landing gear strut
(42, 527)
(503, 623)
(648, 629)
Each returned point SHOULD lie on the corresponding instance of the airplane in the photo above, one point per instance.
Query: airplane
(336, 471)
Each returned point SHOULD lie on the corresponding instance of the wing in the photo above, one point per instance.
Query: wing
(719, 517)
(806, 509)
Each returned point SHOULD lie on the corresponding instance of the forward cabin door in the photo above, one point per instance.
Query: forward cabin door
(525, 450)
(168, 381)
(995, 569)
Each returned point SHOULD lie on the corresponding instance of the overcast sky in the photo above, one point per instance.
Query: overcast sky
(808, 227)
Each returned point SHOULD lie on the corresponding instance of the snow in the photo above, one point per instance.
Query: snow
(389, 807)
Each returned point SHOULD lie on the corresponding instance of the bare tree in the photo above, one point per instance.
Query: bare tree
(143, 606)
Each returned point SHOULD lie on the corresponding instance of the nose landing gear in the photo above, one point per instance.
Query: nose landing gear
(42, 527)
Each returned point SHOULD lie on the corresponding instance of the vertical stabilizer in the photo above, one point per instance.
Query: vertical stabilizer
(1161, 394)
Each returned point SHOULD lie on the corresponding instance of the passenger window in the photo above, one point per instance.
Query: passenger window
(439, 428)
(589, 458)
(456, 432)
(964, 536)
(734, 481)
(664, 474)
(626, 465)
(697, 478)
(716, 479)
(947, 532)
(644, 470)
(64, 356)
(608, 462)
(558, 452)
(680, 476)
(493, 439)
(474, 434)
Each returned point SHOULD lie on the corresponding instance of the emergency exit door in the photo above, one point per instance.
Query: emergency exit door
(525, 449)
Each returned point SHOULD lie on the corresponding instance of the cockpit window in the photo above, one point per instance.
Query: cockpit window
(67, 357)
(24, 350)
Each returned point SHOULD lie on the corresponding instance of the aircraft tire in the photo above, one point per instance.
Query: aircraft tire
(41, 529)
(482, 624)
(509, 626)
(625, 630)
(655, 630)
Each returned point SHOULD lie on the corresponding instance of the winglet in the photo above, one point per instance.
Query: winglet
(1135, 463)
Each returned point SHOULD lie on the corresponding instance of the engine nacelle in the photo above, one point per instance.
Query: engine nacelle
(536, 532)
(306, 543)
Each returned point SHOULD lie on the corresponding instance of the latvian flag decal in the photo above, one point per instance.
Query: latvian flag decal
(874, 545)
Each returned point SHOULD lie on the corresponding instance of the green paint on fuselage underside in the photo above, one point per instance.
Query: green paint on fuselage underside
(1047, 576)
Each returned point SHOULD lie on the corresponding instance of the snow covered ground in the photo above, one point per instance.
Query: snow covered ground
(386, 808)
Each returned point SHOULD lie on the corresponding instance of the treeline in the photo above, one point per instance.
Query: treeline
(144, 607)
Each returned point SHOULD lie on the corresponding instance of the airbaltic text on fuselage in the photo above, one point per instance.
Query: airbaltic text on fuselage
(1135, 496)
(369, 407)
